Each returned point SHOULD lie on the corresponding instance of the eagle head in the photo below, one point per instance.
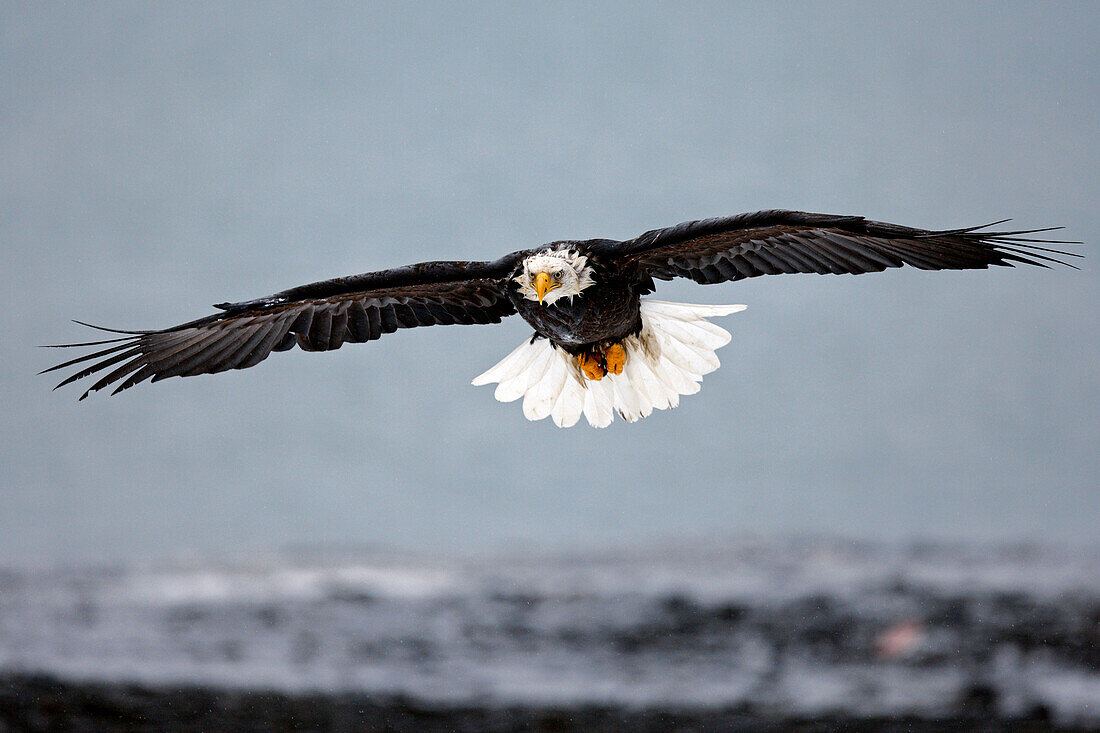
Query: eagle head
(553, 274)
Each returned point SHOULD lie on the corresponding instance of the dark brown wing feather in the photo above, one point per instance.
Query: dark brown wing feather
(321, 316)
(778, 242)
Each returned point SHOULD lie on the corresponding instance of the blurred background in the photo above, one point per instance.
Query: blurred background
(908, 453)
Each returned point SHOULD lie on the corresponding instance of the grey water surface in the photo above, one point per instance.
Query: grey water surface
(157, 158)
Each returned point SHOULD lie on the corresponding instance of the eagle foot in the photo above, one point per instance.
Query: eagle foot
(614, 358)
(591, 365)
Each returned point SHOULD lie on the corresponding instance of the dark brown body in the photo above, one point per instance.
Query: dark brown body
(607, 311)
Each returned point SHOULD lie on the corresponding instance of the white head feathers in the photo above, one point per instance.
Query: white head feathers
(566, 272)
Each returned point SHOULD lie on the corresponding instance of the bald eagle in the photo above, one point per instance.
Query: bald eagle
(599, 347)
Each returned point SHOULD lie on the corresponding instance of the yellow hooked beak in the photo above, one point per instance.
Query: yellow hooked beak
(543, 285)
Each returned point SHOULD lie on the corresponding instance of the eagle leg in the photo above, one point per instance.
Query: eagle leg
(614, 358)
(591, 365)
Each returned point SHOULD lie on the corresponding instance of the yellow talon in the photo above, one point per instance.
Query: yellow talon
(590, 365)
(615, 357)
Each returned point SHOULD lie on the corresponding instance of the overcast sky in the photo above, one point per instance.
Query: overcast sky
(156, 158)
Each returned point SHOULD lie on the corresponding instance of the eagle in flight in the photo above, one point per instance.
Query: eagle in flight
(599, 347)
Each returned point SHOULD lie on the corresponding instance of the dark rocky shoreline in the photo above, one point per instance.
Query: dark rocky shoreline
(42, 703)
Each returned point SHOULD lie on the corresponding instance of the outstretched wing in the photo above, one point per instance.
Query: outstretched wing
(321, 316)
(778, 242)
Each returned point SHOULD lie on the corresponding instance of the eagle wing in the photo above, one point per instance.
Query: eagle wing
(778, 242)
(321, 316)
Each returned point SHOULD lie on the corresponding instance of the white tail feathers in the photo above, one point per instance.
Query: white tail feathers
(668, 358)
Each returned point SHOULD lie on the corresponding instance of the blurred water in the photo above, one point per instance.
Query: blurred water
(800, 627)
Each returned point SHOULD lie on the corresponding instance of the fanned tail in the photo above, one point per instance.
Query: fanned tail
(668, 358)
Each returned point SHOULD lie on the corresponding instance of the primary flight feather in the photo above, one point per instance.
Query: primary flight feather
(599, 348)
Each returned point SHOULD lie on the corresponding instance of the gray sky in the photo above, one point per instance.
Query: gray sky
(156, 158)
